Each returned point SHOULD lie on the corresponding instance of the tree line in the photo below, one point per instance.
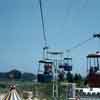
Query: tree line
(16, 75)
(72, 78)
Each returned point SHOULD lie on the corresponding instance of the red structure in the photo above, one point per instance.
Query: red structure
(93, 68)
(94, 80)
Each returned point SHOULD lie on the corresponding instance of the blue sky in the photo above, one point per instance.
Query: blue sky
(67, 23)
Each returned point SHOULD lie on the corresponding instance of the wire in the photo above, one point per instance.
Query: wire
(43, 25)
(83, 42)
(80, 44)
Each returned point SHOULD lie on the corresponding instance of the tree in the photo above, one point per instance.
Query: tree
(61, 76)
(77, 77)
(69, 77)
(28, 76)
(14, 74)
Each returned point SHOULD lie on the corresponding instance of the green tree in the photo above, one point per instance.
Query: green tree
(70, 77)
(28, 76)
(77, 77)
(14, 74)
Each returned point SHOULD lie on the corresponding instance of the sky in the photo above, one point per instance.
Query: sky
(67, 23)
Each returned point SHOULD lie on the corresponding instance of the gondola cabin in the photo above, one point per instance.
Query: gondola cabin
(61, 66)
(67, 67)
(93, 69)
(45, 71)
(68, 64)
(47, 68)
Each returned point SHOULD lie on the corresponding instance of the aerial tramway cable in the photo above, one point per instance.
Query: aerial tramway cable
(44, 30)
(97, 35)
(80, 44)
(43, 25)
(83, 42)
(45, 48)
